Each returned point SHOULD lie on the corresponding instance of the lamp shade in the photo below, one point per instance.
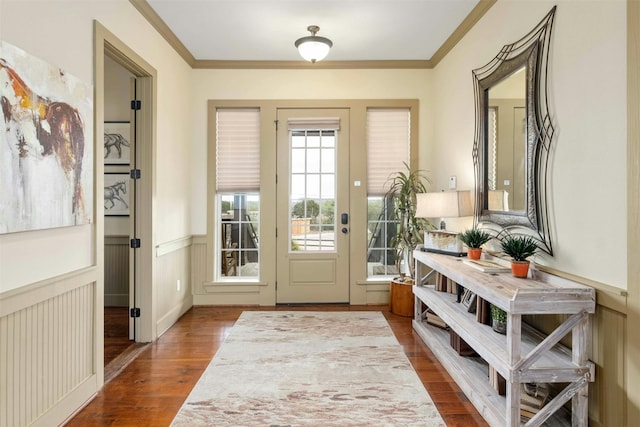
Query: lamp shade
(444, 204)
(313, 48)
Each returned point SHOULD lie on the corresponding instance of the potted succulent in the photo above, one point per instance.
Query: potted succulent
(499, 320)
(474, 238)
(519, 248)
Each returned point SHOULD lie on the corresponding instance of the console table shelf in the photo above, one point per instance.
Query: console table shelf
(523, 354)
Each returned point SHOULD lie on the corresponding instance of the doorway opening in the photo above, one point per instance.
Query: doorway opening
(119, 207)
(132, 230)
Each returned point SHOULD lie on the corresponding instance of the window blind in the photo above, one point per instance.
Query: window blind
(388, 144)
(238, 150)
(314, 123)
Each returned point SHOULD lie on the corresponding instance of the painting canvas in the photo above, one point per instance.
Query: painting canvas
(116, 193)
(116, 143)
(46, 145)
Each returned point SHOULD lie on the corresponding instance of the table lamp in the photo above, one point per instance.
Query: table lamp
(444, 204)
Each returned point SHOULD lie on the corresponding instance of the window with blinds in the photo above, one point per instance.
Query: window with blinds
(388, 148)
(238, 149)
(238, 193)
(388, 145)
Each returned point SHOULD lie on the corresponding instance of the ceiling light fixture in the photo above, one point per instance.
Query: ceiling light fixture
(313, 48)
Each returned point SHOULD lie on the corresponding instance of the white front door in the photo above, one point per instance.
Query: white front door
(313, 206)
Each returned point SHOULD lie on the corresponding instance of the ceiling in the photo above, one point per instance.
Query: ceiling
(265, 30)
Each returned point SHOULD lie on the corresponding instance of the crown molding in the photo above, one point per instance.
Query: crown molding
(163, 29)
(472, 19)
(156, 22)
(323, 65)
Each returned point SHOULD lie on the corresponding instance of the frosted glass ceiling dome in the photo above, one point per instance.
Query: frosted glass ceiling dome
(313, 48)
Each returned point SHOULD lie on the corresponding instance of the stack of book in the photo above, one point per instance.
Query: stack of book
(460, 345)
(497, 382)
(532, 399)
(452, 287)
(444, 284)
(486, 266)
(441, 282)
(483, 311)
(435, 320)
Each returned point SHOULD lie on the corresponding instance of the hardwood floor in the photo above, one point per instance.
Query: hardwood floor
(116, 332)
(151, 389)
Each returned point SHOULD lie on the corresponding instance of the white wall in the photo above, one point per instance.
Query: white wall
(61, 33)
(587, 88)
(295, 84)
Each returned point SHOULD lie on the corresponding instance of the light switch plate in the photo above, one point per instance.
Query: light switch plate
(452, 182)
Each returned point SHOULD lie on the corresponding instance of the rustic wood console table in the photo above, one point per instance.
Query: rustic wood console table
(522, 355)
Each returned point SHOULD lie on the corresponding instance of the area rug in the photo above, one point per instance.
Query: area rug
(309, 369)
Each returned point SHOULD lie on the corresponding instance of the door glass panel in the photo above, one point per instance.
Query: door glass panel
(312, 183)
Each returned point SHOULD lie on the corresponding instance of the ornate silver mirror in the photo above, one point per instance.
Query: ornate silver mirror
(513, 135)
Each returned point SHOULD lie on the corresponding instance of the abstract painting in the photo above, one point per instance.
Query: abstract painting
(116, 143)
(46, 145)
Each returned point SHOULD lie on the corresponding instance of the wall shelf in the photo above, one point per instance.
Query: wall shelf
(523, 355)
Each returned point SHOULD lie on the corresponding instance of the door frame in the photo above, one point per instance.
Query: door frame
(263, 291)
(336, 261)
(106, 43)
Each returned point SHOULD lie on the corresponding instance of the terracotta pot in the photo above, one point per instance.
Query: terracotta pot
(474, 253)
(401, 297)
(520, 268)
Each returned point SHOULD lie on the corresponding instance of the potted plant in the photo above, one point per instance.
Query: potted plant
(499, 319)
(474, 238)
(401, 199)
(519, 248)
(403, 187)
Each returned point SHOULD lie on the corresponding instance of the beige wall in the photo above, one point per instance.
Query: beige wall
(117, 91)
(117, 98)
(588, 50)
(587, 71)
(587, 99)
(45, 268)
(295, 84)
(74, 25)
(587, 88)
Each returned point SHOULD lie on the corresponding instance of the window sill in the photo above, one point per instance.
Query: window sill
(377, 281)
(233, 287)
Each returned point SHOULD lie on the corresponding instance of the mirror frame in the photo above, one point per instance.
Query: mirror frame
(531, 52)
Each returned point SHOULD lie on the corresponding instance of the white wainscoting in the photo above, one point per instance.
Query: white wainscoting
(199, 263)
(173, 265)
(607, 395)
(47, 349)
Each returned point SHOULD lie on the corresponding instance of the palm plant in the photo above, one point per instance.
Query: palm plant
(403, 187)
